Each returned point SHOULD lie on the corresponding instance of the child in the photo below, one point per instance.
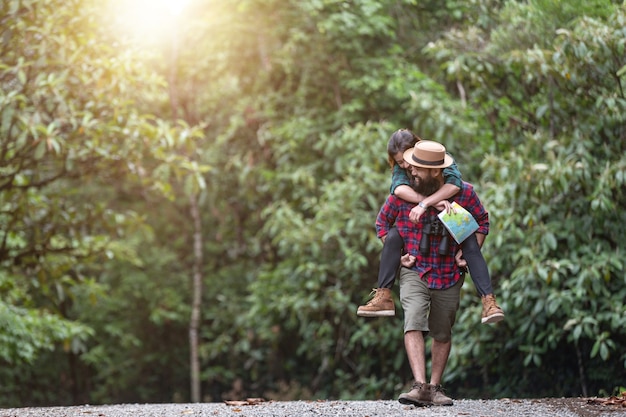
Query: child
(382, 303)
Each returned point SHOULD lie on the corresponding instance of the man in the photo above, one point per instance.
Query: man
(430, 278)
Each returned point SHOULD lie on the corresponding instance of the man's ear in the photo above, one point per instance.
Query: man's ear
(436, 172)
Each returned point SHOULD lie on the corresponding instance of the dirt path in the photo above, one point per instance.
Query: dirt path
(556, 407)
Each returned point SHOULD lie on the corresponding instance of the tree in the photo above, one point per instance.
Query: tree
(73, 142)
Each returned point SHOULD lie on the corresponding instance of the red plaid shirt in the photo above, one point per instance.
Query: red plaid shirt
(439, 271)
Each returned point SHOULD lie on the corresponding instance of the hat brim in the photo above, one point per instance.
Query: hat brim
(408, 158)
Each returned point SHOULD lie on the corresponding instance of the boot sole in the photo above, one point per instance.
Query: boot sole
(492, 319)
(408, 401)
(383, 313)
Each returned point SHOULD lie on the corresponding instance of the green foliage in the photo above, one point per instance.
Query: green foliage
(26, 332)
(554, 200)
(75, 151)
(275, 116)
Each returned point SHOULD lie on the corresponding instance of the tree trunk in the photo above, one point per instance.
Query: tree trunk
(196, 304)
(581, 371)
(196, 292)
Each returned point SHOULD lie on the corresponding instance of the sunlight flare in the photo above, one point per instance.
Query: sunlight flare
(148, 20)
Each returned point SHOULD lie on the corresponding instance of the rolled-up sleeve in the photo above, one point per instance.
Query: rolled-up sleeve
(452, 175)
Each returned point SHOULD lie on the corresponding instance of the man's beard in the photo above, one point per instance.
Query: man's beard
(426, 186)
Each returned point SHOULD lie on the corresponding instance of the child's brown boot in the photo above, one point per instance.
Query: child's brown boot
(492, 313)
(381, 305)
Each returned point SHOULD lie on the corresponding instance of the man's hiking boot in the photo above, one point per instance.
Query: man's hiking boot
(438, 397)
(492, 313)
(381, 305)
(420, 395)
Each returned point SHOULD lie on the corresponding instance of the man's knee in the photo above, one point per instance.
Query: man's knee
(443, 339)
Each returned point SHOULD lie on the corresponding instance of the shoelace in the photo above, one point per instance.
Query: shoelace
(375, 296)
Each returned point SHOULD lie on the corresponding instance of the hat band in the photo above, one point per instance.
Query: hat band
(424, 162)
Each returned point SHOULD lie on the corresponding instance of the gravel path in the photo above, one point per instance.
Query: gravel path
(387, 408)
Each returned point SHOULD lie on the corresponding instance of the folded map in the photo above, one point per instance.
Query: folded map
(459, 222)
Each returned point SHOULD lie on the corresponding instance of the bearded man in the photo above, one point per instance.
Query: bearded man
(430, 278)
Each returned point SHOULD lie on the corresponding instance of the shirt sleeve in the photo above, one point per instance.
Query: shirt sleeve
(452, 175)
(399, 177)
(479, 212)
(386, 217)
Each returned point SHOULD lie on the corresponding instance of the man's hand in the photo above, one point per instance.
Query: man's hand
(407, 260)
(462, 263)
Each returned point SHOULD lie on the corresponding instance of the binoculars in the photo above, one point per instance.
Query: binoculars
(434, 227)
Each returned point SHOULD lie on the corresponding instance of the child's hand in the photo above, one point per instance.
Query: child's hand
(407, 260)
(462, 263)
(444, 205)
(416, 213)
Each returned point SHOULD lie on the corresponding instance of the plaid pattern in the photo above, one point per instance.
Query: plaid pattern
(399, 176)
(440, 271)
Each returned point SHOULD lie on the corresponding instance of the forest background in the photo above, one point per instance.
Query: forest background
(187, 194)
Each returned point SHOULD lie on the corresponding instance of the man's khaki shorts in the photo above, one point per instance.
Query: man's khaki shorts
(429, 311)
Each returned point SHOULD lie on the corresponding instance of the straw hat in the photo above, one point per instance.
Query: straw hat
(428, 154)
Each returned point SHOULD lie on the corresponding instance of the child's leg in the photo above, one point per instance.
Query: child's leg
(477, 265)
(382, 305)
(492, 312)
(390, 259)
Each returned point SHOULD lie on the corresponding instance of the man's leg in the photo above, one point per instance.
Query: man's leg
(414, 295)
(415, 352)
(440, 352)
(444, 305)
